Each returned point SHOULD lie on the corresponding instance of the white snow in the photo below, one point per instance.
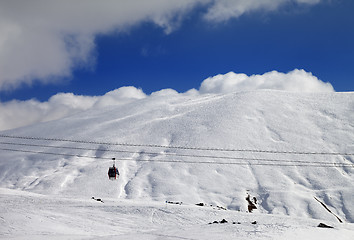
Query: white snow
(49, 195)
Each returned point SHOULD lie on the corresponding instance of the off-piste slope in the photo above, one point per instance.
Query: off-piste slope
(186, 162)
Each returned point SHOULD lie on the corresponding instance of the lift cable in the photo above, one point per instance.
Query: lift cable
(328, 165)
(164, 154)
(174, 147)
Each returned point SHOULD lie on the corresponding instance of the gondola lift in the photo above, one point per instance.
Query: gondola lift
(113, 172)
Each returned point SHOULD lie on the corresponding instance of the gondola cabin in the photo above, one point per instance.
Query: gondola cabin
(113, 173)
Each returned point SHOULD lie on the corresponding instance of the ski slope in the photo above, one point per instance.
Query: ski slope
(282, 148)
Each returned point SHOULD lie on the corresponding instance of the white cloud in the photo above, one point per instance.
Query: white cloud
(46, 40)
(226, 9)
(120, 96)
(21, 113)
(15, 114)
(43, 39)
(223, 10)
(295, 81)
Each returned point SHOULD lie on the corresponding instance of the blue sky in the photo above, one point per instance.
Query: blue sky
(315, 37)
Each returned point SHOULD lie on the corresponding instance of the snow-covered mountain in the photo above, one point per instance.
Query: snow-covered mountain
(292, 153)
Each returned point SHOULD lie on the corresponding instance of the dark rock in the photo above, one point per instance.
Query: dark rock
(221, 208)
(170, 202)
(322, 225)
(223, 221)
(251, 206)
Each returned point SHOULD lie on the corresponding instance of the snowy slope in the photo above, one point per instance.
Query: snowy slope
(33, 216)
(260, 120)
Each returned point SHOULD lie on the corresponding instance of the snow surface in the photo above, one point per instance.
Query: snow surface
(49, 195)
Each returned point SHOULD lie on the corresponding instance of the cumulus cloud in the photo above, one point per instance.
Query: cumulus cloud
(295, 81)
(120, 96)
(45, 40)
(21, 113)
